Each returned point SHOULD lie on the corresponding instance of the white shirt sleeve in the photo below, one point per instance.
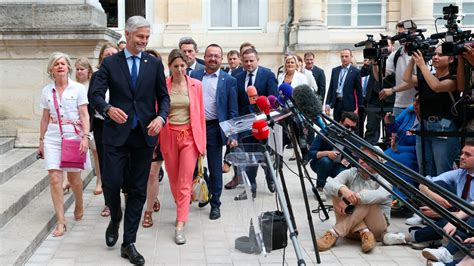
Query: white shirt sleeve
(82, 95)
(44, 98)
(390, 67)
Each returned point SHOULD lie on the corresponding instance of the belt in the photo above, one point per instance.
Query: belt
(212, 122)
(339, 98)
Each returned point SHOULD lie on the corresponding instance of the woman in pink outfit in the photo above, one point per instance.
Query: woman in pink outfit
(183, 138)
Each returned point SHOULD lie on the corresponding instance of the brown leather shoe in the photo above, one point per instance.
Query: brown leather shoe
(232, 183)
(368, 241)
(226, 167)
(327, 241)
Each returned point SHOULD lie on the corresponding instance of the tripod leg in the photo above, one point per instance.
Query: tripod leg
(303, 188)
(287, 197)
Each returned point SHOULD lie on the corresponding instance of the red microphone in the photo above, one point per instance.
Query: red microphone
(260, 130)
(252, 94)
(263, 104)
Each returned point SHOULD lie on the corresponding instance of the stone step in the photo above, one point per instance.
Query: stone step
(22, 235)
(13, 161)
(18, 192)
(6, 144)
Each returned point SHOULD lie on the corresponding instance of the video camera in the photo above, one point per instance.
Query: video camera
(455, 38)
(413, 39)
(373, 49)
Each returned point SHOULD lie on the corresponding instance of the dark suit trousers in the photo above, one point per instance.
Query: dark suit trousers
(338, 109)
(136, 153)
(214, 161)
(98, 125)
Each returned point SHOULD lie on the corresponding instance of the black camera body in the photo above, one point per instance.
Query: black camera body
(415, 40)
(455, 38)
(373, 49)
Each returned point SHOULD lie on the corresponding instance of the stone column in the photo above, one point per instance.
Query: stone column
(30, 32)
(310, 25)
(422, 13)
(311, 13)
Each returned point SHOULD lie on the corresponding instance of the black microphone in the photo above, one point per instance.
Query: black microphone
(438, 35)
(309, 103)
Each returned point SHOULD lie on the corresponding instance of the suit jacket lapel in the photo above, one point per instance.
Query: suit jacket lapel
(122, 61)
(143, 66)
(220, 87)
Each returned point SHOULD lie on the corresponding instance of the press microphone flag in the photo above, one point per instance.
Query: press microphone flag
(272, 99)
(252, 94)
(260, 129)
(285, 91)
(263, 104)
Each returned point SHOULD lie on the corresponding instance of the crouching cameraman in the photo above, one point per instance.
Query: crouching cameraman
(361, 205)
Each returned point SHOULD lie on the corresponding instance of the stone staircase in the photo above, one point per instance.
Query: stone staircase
(26, 209)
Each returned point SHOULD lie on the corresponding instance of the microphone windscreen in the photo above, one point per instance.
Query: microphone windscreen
(272, 99)
(286, 90)
(260, 130)
(263, 104)
(307, 101)
(252, 94)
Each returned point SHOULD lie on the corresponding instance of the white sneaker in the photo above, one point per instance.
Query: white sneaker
(437, 254)
(394, 239)
(414, 220)
(321, 194)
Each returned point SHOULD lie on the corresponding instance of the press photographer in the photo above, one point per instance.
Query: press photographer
(436, 91)
(397, 62)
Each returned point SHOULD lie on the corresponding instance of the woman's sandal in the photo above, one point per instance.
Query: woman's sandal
(78, 213)
(147, 219)
(105, 212)
(60, 229)
(156, 205)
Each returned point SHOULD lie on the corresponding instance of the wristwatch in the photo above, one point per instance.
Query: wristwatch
(393, 90)
(106, 109)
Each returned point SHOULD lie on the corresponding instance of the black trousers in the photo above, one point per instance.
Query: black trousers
(137, 155)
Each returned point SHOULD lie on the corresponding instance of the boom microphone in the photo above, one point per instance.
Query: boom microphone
(308, 103)
(260, 130)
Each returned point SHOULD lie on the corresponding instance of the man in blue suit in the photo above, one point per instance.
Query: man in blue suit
(136, 82)
(220, 104)
(345, 89)
(266, 84)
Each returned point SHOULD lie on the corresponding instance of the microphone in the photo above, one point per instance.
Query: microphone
(263, 105)
(252, 94)
(285, 90)
(260, 130)
(272, 99)
(308, 103)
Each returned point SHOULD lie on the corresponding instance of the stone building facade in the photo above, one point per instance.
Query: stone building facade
(321, 26)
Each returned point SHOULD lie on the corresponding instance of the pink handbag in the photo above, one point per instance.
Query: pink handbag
(71, 156)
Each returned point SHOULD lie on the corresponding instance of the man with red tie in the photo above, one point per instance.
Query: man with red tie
(460, 182)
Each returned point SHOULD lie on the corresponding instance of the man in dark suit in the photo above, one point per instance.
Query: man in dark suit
(136, 82)
(318, 73)
(345, 89)
(189, 47)
(220, 104)
(266, 84)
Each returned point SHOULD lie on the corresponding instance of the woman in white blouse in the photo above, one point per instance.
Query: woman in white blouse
(72, 103)
(290, 74)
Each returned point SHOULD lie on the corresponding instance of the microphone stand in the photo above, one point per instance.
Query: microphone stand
(284, 205)
(299, 163)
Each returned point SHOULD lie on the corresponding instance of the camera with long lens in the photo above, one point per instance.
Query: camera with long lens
(373, 49)
(414, 40)
(455, 38)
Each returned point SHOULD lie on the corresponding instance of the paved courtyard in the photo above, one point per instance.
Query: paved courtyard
(211, 242)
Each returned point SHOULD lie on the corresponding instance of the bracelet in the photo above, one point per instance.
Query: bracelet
(41, 139)
(393, 90)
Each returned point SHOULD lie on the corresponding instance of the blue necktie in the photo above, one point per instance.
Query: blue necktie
(134, 75)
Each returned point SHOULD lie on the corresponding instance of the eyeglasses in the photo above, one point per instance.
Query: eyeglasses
(213, 56)
(351, 128)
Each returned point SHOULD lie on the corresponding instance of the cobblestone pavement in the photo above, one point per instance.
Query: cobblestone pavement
(211, 242)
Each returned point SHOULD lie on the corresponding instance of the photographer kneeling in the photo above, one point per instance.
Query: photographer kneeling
(437, 96)
(361, 205)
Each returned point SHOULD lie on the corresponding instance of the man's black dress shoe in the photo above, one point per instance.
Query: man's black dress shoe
(130, 252)
(112, 233)
(215, 213)
(271, 186)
